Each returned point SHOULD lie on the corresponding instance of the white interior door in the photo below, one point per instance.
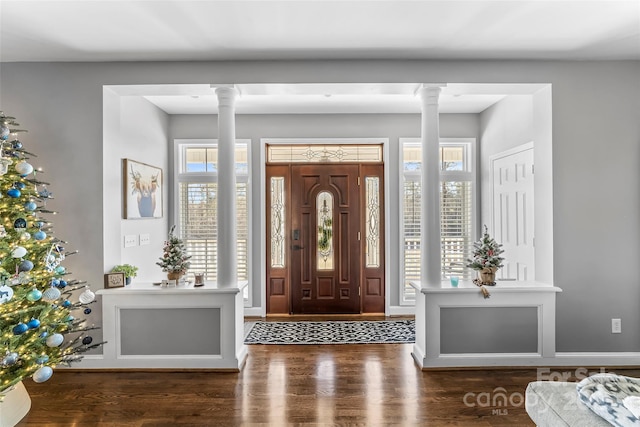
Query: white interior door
(512, 213)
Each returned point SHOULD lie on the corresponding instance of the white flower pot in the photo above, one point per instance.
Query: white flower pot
(14, 406)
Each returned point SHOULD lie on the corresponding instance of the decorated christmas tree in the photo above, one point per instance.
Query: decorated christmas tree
(174, 259)
(486, 253)
(41, 324)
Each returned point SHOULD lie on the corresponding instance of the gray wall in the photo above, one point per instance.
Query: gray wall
(596, 150)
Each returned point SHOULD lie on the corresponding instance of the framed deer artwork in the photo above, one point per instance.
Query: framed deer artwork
(142, 190)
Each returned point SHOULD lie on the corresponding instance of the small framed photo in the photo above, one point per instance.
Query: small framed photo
(114, 280)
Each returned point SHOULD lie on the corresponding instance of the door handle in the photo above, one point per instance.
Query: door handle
(296, 247)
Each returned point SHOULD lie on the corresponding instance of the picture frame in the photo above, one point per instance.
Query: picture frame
(114, 280)
(142, 190)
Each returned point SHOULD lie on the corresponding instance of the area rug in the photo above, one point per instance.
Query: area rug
(332, 332)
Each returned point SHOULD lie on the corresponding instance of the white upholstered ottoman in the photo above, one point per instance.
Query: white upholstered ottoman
(555, 404)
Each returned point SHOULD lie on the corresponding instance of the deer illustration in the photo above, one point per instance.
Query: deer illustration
(145, 189)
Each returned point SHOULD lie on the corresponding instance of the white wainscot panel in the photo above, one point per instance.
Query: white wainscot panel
(533, 304)
(182, 327)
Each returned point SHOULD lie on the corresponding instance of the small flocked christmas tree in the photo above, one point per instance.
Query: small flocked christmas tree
(486, 257)
(40, 322)
(174, 260)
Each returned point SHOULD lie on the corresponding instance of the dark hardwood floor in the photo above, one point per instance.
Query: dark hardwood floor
(341, 385)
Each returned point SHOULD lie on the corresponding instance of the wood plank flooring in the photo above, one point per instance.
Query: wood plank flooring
(341, 385)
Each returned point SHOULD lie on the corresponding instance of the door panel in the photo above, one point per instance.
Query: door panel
(325, 260)
(278, 226)
(373, 220)
(513, 213)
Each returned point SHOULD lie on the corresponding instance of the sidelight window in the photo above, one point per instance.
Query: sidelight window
(196, 175)
(457, 210)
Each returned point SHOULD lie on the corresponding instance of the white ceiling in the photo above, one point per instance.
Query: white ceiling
(148, 30)
(145, 30)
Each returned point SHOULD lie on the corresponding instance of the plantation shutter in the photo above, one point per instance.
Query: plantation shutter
(199, 226)
(456, 227)
(411, 236)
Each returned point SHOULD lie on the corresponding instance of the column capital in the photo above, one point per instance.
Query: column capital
(226, 93)
(430, 92)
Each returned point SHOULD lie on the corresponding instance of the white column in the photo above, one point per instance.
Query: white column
(430, 256)
(227, 235)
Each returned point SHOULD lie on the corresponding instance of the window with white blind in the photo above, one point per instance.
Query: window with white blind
(457, 210)
(197, 203)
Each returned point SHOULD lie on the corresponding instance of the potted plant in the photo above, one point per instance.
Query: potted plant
(486, 258)
(174, 260)
(130, 271)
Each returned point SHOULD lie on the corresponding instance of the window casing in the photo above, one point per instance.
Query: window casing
(457, 210)
(196, 205)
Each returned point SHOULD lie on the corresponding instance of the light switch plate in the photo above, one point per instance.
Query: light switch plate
(130, 240)
(145, 239)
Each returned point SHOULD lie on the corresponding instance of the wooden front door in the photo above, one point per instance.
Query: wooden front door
(325, 233)
(325, 250)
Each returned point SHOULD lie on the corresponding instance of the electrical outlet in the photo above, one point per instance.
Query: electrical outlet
(130, 240)
(145, 239)
(616, 326)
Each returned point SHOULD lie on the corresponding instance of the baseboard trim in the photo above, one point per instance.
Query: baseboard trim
(253, 312)
(603, 358)
(402, 310)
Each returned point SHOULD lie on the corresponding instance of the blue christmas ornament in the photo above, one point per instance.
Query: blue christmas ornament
(44, 334)
(30, 206)
(40, 235)
(42, 359)
(20, 329)
(16, 144)
(45, 194)
(34, 295)
(62, 283)
(14, 192)
(51, 294)
(66, 303)
(33, 323)
(60, 269)
(69, 319)
(42, 374)
(10, 359)
(55, 282)
(4, 132)
(87, 340)
(20, 185)
(25, 265)
(87, 311)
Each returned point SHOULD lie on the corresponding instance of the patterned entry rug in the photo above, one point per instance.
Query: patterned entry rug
(332, 332)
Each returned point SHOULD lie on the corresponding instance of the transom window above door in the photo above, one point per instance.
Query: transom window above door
(323, 153)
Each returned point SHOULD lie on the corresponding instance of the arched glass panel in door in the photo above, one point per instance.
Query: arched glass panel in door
(325, 249)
